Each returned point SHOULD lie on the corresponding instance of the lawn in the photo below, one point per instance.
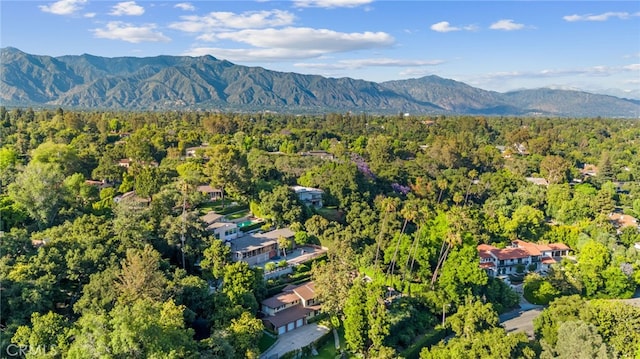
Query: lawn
(231, 206)
(330, 213)
(266, 342)
(237, 215)
(329, 351)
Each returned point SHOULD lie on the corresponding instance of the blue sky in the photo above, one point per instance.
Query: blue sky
(494, 45)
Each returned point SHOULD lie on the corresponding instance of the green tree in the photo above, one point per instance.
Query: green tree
(215, 258)
(241, 284)
(39, 190)
(140, 276)
(473, 317)
(491, 343)
(63, 155)
(48, 336)
(526, 223)
(461, 275)
(281, 206)
(555, 169)
(245, 333)
(560, 310)
(377, 319)
(537, 290)
(333, 280)
(141, 329)
(147, 182)
(579, 340)
(228, 170)
(8, 157)
(355, 318)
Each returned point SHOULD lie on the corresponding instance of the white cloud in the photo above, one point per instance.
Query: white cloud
(253, 55)
(600, 71)
(445, 26)
(600, 17)
(229, 20)
(117, 30)
(90, 15)
(330, 3)
(127, 8)
(304, 38)
(292, 43)
(506, 25)
(185, 6)
(356, 64)
(63, 7)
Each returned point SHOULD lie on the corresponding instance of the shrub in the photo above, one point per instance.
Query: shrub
(538, 290)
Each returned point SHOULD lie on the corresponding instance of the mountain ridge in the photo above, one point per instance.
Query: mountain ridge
(207, 83)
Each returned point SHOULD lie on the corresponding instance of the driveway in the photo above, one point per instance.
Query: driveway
(521, 319)
(295, 339)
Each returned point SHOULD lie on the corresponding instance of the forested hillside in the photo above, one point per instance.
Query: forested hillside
(203, 83)
(106, 252)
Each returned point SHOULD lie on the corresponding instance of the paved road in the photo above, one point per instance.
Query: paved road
(295, 339)
(521, 319)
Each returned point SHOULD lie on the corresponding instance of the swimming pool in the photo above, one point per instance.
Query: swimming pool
(244, 224)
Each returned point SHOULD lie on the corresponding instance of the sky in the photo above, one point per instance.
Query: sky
(502, 46)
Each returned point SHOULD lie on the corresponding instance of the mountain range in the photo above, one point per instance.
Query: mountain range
(206, 83)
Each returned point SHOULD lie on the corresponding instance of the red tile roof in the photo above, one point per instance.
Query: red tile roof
(532, 248)
(559, 247)
(548, 260)
(485, 250)
(522, 249)
(511, 253)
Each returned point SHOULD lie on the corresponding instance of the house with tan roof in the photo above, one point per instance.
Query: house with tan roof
(534, 257)
(311, 197)
(621, 221)
(290, 309)
(221, 229)
(257, 248)
(211, 193)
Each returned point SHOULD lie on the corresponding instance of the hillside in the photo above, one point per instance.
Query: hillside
(180, 82)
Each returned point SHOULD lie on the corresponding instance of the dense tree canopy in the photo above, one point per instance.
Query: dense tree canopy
(104, 252)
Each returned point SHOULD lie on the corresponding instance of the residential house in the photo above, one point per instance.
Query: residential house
(534, 257)
(128, 162)
(197, 152)
(318, 153)
(309, 196)
(99, 184)
(589, 170)
(621, 221)
(290, 309)
(257, 248)
(132, 199)
(537, 181)
(125, 162)
(211, 193)
(222, 230)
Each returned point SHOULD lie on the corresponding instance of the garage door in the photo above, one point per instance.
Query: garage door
(291, 326)
(282, 330)
(299, 323)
